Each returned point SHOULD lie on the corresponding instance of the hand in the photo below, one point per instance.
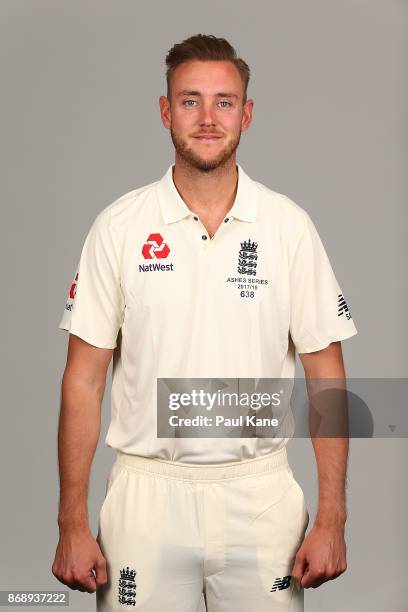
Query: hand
(77, 554)
(321, 557)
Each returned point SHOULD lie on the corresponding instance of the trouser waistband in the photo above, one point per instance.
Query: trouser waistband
(216, 471)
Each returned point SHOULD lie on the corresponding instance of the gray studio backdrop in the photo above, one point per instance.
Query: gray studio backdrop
(80, 126)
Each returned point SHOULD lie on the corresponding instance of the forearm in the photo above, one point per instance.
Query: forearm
(331, 458)
(78, 434)
(328, 415)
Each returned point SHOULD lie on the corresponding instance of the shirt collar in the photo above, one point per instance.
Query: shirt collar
(174, 208)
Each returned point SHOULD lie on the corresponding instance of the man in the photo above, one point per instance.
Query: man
(204, 273)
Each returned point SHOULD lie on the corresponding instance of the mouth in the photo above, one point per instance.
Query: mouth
(207, 137)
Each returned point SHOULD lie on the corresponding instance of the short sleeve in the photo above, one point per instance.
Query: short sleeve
(95, 302)
(319, 313)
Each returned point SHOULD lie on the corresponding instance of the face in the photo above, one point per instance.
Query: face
(205, 114)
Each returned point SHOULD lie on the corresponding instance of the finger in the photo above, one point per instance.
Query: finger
(318, 583)
(73, 585)
(299, 569)
(100, 570)
(90, 584)
(86, 584)
(68, 580)
(313, 579)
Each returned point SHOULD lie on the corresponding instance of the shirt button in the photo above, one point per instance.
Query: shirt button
(195, 218)
(204, 237)
(226, 219)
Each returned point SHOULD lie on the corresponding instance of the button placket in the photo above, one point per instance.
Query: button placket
(203, 233)
(205, 238)
(219, 229)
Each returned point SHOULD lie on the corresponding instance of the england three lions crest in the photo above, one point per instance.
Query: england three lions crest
(127, 587)
(247, 258)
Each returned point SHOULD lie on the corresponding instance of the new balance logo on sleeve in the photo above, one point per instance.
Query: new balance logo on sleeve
(281, 583)
(342, 307)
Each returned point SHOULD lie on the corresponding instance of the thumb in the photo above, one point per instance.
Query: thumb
(299, 568)
(100, 570)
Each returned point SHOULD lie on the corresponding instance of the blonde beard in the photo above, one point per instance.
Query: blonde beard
(198, 162)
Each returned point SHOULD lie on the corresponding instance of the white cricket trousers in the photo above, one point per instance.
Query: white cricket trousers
(172, 531)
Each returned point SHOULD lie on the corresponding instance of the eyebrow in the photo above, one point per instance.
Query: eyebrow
(197, 93)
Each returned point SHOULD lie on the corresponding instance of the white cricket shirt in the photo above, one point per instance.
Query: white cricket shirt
(174, 303)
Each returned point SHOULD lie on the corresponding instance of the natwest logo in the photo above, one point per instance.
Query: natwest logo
(155, 247)
(69, 305)
(72, 290)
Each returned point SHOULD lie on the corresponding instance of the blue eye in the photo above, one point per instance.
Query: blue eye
(186, 103)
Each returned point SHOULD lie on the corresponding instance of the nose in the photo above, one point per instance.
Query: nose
(207, 115)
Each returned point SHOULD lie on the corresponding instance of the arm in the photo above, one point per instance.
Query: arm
(82, 391)
(322, 555)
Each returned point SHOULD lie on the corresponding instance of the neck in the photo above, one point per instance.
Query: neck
(206, 192)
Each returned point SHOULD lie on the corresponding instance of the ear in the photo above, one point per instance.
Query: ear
(247, 115)
(165, 111)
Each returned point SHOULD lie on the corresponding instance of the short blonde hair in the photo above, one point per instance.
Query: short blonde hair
(205, 47)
